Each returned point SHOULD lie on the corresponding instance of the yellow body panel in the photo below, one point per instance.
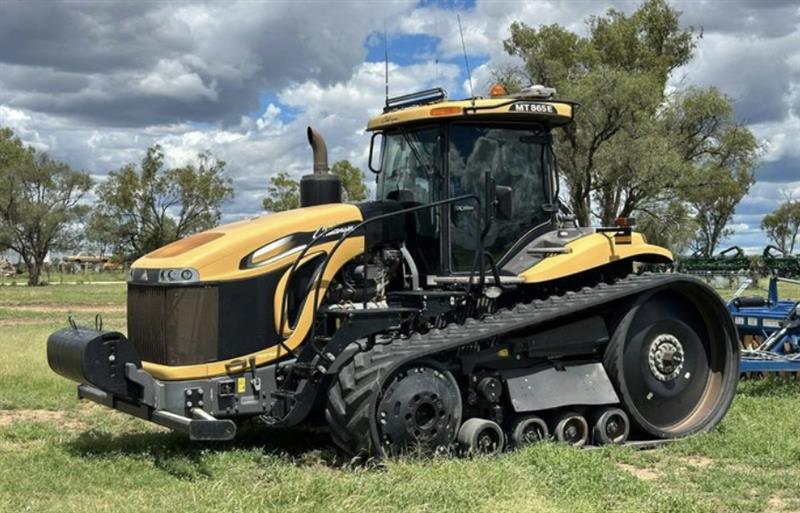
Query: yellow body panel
(593, 251)
(219, 259)
(465, 109)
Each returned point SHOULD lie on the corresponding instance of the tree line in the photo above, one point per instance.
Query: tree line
(45, 204)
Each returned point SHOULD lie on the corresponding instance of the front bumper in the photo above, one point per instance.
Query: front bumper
(109, 372)
(202, 427)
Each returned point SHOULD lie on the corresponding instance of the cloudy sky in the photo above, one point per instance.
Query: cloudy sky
(95, 83)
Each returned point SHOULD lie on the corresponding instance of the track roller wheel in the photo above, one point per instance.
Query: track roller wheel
(528, 430)
(481, 436)
(417, 408)
(571, 428)
(611, 427)
(674, 360)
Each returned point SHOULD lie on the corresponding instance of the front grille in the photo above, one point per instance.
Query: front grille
(174, 325)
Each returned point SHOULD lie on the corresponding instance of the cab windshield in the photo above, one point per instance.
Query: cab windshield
(411, 162)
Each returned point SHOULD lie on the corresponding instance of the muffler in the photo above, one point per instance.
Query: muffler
(95, 357)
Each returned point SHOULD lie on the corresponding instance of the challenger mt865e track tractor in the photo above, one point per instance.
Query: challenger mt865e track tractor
(462, 310)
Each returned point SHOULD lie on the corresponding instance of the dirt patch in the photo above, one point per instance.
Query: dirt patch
(644, 474)
(62, 308)
(782, 505)
(697, 461)
(59, 418)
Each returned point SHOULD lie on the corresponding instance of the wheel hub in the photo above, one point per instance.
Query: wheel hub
(666, 357)
(421, 407)
(533, 433)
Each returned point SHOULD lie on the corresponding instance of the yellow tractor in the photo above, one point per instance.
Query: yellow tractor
(461, 310)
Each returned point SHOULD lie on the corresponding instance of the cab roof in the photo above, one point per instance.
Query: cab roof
(433, 105)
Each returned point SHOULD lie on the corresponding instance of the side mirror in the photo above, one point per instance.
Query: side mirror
(504, 202)
(372, 153)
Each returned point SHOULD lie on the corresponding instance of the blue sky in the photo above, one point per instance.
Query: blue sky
(95, 83)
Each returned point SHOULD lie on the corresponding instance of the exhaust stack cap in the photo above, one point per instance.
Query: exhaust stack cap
(320, 150)
(321, 187)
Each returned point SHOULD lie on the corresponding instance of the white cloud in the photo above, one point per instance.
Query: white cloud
(172, 78)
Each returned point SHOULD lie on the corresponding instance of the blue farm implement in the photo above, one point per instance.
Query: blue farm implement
(769, 330)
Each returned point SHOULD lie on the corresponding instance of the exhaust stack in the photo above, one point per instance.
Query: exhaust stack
(320, 187)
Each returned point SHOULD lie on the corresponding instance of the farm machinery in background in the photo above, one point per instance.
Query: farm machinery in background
(731, 267)
(769, 329)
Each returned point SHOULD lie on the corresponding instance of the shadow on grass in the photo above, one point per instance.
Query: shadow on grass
(176, 455)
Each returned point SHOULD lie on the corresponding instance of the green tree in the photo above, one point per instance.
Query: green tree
(39, 202)
(669, 225)
(283, 192)
(634, 149)
(782, 225)
(101, 232)
(618, 73)
(353, 186)
(152, 206)
(722, 155)
(714, 205)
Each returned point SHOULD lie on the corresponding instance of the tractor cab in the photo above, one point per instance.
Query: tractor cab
(497, 150)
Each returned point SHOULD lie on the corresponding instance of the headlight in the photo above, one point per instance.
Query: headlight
(184, 275)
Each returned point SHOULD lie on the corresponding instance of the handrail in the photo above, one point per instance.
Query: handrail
(323, 267)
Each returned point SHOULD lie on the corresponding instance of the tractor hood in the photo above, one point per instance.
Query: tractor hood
(242, 249)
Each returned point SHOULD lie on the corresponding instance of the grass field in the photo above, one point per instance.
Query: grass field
(57, 278)
(59, 455)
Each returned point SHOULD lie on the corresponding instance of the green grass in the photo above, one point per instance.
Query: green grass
(58, 455)
(64, 296)
(55, 278)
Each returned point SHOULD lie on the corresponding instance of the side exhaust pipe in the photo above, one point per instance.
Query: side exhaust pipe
(320, 187)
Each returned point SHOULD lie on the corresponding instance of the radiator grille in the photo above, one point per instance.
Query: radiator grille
(174, 326)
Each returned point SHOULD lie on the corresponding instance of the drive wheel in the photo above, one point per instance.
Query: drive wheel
(417, 408)
(420, 409)
(674, 361)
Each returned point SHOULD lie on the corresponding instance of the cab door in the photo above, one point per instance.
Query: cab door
(514, 156)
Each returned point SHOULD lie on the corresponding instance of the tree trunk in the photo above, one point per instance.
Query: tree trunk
(35, 272)
(581, 208)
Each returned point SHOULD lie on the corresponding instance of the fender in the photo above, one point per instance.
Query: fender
(593, 251)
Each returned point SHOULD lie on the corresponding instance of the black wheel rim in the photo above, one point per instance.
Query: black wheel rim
(419, 409)
(667, 387)
(532, 433)
(488, 441)
(573, 431)
(615, 428)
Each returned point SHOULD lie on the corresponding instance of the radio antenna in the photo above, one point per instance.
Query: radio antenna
(386, 60)
(466, 60)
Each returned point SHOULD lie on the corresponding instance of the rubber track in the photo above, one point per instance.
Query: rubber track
(351, 397)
